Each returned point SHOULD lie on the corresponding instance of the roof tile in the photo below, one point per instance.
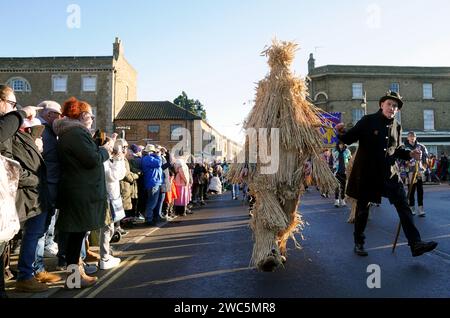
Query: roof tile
(154, 110)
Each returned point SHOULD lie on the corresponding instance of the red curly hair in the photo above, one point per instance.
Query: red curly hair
(73, 108)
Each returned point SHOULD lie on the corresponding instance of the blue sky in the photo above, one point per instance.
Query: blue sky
(211, 48)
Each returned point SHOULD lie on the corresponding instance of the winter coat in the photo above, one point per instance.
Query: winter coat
(151, 168)
(172, 194)
(166, 164)
(375, 168)
(182, 175)
(128, 187)
(82, 198)
(50, 155)
(32, 194)
(135, 167)
(335, 155)
(114, 172)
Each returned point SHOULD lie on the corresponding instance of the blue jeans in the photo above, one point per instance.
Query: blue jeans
(33, 229)
(235, 190)
(159, 205)
(152, 201)
(83, 246)
(39, 265)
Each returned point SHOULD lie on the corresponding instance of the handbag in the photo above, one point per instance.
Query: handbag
(117, 211)
(9, 181)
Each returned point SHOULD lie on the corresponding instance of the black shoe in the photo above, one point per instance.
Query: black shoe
(359, 250)
(150, 223)
(270, 263)
(422, 247)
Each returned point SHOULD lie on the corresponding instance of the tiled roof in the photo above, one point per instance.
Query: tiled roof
(375, 69)
(154, 110)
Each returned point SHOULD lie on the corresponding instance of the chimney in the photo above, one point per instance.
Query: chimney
(117, 48)
(311, 63)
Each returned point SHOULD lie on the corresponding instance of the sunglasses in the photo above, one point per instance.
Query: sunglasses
(15, 105)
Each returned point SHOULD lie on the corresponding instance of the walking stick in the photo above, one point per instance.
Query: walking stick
(413, 181)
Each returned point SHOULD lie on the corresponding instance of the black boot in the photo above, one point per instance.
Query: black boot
(270, 263)
(359, 250)
(421, 247)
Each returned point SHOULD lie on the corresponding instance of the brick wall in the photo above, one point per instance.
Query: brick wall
(125, 89)
(339, 91)
(41, 89)
(113, 88)
(138, 131)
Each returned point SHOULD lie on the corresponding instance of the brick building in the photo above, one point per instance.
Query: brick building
(158, 122)
(105, 82)
(425, 91)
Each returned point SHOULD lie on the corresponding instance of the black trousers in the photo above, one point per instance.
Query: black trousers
(73, 247)
(340, 191)
(395, 192)
(419, 186)
(2, 268)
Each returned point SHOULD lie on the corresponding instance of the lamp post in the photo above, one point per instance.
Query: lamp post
(364, 103)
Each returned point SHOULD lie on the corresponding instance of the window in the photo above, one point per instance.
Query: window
(59, 83)
(357, 89)
(153, 132)
(19, 84)
(427, 91)
(176, 135)
(127, 92)
(428, 119)
(357, 114)
(89, 83)
(395, 87)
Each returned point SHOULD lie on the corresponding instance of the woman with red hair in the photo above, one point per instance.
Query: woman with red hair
(82, 198)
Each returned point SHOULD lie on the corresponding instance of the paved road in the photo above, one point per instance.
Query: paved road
(207, 255)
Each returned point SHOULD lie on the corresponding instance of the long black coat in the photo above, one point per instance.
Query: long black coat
(375, 162)
(82, 198)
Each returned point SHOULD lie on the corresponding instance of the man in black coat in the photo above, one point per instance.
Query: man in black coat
(375, 173)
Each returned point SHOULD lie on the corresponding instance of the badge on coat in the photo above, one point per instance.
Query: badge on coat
(375, 132)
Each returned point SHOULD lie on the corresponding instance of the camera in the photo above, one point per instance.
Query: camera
(99, 137)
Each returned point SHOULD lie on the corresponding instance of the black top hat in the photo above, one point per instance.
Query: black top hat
(392, 95)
